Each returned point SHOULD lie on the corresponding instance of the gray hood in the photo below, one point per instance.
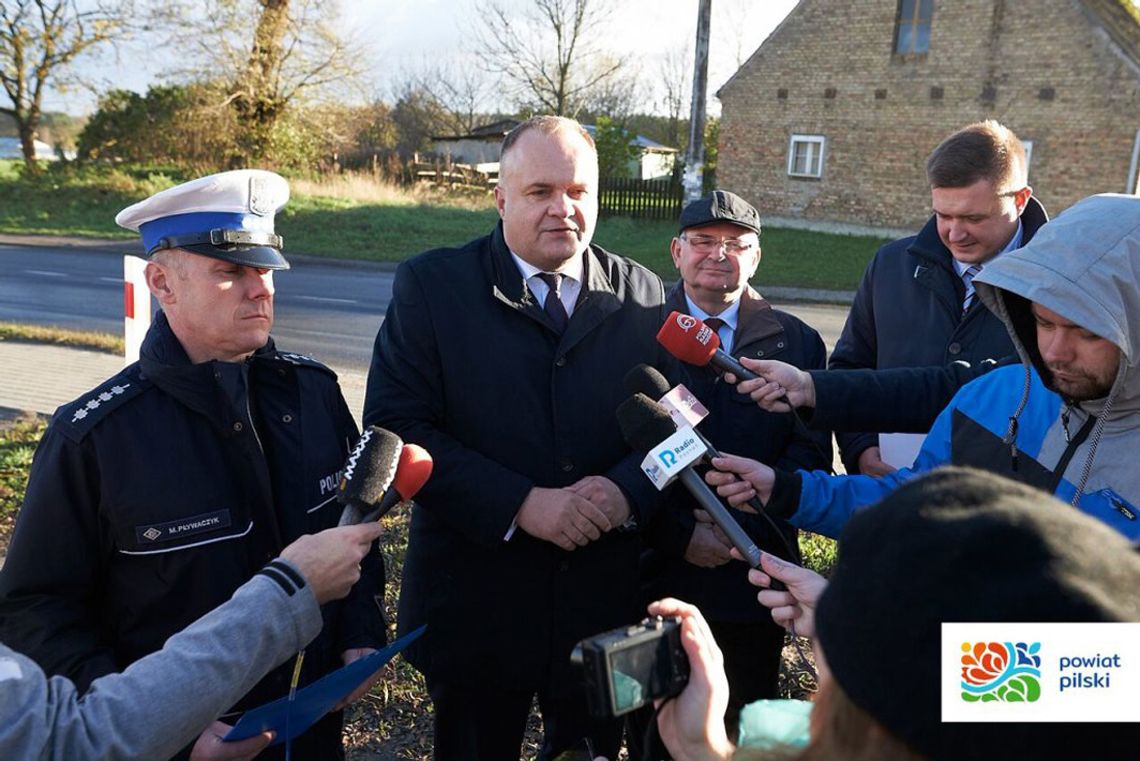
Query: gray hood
(1085, 266)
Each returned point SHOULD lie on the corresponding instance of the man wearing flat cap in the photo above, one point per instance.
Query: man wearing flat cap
(716, 252)
(154, 496)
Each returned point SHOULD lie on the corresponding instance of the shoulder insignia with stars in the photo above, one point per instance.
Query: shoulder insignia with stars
(304, 360)
(78, 418)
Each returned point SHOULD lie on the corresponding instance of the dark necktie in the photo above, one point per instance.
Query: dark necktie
(553, 305)
(968, 279)
(715, 324)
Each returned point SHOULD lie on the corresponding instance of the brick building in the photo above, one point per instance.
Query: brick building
(833, 116)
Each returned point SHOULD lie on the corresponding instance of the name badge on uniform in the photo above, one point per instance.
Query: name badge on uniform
(195, 524)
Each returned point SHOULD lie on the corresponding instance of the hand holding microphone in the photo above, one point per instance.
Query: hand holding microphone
(780, 388)
(643, 422)
(647, 427)
(694, 343)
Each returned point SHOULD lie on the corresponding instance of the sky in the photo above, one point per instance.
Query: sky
(398, 36)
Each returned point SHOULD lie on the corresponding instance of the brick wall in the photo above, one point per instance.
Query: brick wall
(829, 69)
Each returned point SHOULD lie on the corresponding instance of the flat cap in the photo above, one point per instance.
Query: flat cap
(720, 206)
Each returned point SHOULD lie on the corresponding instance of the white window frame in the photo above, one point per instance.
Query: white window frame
(1028, 145)
(821, 149)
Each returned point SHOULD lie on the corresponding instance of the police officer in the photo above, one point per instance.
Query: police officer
(154, 496)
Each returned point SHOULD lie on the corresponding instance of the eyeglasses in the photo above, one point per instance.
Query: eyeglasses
(706, 244)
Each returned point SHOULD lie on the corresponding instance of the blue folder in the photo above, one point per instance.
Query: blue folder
(289, 718)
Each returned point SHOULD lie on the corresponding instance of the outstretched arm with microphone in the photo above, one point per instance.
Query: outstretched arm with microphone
(902, 399)
(162, 701)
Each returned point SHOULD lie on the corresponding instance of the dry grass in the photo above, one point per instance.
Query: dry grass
(365, 189)
(83, 339)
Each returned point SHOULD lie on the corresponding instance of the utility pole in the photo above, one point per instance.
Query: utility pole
(695, 158)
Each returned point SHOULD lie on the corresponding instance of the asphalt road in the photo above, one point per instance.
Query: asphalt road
(330, 310)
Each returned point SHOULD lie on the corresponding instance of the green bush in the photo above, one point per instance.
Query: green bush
(819, 552)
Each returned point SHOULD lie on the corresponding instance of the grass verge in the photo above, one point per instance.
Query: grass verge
(18, 440)
(354, 217)
(80, 339)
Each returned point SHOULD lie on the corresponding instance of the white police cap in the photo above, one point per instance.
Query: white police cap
(227, 216)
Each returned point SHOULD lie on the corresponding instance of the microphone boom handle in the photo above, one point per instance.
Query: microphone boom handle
(711, 504)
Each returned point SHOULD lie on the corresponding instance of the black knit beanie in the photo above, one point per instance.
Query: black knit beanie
(960, 545)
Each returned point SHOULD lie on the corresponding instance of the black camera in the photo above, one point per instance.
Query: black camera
(627, 668)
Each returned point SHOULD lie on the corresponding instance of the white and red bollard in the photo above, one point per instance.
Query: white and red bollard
(136, 307)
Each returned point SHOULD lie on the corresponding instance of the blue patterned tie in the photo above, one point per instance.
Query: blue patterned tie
(968, 278)
(553, 305)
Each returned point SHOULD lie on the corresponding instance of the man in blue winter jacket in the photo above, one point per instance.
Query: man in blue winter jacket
(1064, 420)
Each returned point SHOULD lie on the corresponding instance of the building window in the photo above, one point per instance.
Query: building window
(805, 156)
(1028, 145)
(912, 26)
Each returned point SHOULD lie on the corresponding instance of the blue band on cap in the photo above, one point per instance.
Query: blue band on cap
(199, 222)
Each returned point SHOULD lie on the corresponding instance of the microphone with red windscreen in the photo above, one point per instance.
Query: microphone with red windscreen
(378, 476)
(694, 343)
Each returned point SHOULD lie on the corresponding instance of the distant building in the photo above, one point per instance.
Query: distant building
(833, 116)
(10, 149)
(480, 147)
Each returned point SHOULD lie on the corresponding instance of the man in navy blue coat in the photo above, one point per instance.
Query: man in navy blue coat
(504, 358)
(915, 305)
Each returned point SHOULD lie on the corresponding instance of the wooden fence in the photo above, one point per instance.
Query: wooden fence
(641, 199)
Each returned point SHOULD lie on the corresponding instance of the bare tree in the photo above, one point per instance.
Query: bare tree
(39, 41)
(617, 97)
(549, 53)
(463, 91)
(740, 17)
(676, 90)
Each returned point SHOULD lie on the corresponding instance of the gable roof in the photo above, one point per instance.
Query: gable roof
(748, 62)
(641, 141)
(1120, 19)
(495, 131)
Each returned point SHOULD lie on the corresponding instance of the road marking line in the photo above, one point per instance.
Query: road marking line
(330, 300)
(46, 273)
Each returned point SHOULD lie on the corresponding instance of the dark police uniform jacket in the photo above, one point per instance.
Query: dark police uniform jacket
(467, 365)
(154, 496)
(736, 425)
(908, 313)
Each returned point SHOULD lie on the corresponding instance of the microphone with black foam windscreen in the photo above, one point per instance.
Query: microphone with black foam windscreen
(644, 422)
(682, 405)
(670, 454)
(380, 472)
